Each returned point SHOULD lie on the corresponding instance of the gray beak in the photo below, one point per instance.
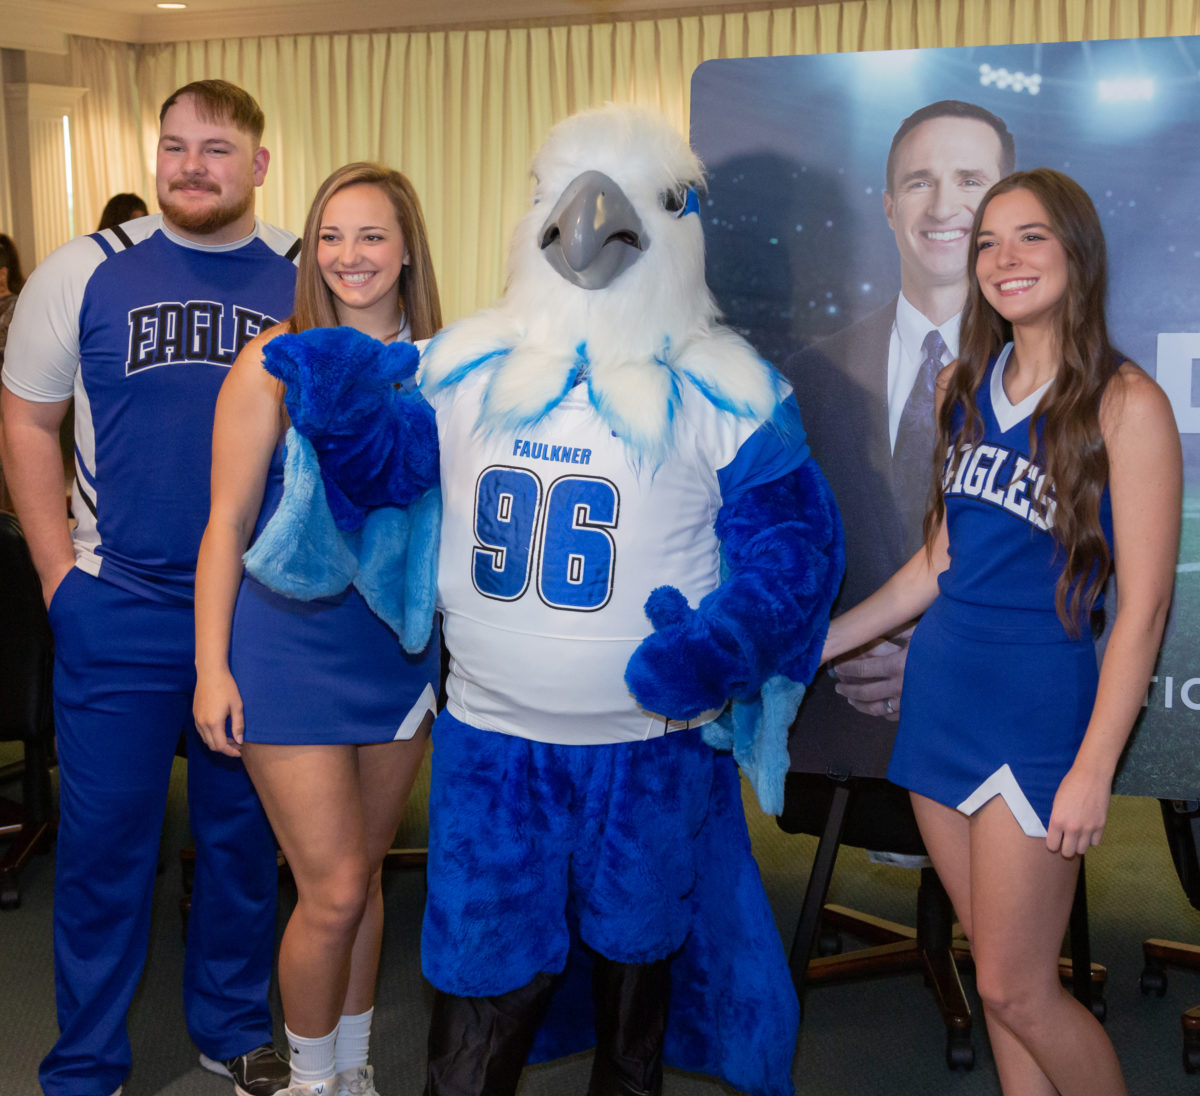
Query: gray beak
(593, 232)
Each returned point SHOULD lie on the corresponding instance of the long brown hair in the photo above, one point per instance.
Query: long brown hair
(1073, 452)
(119, 209)
(418, 287)
(12, 261)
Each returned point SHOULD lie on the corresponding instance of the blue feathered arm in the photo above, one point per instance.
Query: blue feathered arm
(377, 445)
(785, 555)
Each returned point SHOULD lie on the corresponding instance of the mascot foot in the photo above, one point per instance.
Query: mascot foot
(632, 1001)
(478, 1045)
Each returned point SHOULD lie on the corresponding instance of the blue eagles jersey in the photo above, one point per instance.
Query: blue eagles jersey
(143, 336)
(1000, 511)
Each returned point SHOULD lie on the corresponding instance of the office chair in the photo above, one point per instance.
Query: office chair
(26, 707)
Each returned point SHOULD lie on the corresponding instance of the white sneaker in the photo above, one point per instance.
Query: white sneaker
(320, 1088)
(359, 1081)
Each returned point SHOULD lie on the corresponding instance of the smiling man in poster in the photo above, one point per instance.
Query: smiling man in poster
(867, 390)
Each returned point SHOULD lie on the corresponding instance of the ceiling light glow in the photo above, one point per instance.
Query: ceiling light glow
(1130, 89)
(1010, 81)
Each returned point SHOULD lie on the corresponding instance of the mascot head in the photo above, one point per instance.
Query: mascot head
(606, 288)
(614, 235)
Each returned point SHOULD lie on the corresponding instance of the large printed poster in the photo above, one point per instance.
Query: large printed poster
(827, 254)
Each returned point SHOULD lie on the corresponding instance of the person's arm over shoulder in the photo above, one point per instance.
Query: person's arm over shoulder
(1145, 478)
(246, 429)
(377, 443)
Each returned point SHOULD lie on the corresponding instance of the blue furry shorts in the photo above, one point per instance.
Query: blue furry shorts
(528, 838)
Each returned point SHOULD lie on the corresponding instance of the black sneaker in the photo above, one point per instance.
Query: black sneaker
(259, 1072)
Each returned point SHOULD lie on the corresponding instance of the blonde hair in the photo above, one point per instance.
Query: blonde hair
(417, 290)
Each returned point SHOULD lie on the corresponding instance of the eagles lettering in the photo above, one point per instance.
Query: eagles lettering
(171, 332)
(994, 474)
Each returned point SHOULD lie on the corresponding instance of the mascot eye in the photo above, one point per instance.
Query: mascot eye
(674, 201)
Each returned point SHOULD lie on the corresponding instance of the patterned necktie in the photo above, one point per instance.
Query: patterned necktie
(912, 456)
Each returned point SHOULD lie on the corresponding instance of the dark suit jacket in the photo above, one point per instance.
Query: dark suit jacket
(841, 386)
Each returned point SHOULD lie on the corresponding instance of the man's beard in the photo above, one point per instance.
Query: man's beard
(204, 221)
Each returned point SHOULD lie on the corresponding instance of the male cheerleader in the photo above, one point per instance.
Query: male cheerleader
(140, 323)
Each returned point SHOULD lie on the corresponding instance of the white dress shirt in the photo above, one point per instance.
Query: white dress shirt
(904, 355)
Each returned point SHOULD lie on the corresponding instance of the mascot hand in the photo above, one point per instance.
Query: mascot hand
(337, 378)
(784, 557)
(689, 664)
(376, 445)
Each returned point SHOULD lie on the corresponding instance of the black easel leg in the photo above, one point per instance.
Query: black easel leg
(818, 889)
(1081, 944)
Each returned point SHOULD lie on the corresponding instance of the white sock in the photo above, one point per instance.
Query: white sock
(353, 1040)
(311, 1059)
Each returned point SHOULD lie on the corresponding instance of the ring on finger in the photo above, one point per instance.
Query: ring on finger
(891, 708)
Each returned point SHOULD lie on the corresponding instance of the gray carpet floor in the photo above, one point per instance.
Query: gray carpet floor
(879, 1035)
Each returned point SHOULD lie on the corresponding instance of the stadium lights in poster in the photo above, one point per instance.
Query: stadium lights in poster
(802, 251)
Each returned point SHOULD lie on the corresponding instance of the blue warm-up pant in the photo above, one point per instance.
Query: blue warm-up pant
(123, 684)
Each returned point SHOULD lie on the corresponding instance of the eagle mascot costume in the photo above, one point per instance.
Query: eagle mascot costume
(610, 498)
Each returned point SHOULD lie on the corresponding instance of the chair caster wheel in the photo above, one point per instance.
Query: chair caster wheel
(1153, 979)
(960, 1055)
(829, 942)
(1191, 1052)
(10, 891)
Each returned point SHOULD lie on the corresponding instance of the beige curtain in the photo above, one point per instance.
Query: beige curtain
(106, 145)
(461, 112)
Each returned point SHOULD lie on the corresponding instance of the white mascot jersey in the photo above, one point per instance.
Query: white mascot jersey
(552, 541)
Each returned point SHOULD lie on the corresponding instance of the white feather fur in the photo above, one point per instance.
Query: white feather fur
(530, 381)
(728, 368)
(651, 330)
